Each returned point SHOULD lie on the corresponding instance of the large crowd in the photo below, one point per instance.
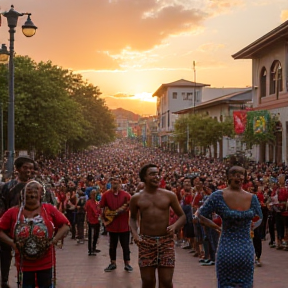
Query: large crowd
(73, 180)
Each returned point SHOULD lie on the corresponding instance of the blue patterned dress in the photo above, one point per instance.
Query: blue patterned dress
(235, 254)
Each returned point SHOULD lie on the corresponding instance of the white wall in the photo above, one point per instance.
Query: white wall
(209, 93)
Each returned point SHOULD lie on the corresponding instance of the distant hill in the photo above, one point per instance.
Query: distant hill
(136, 106)
(122, 113)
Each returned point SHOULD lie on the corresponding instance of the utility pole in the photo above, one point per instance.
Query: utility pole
(187, 138)
(194, 94)
(194, 69)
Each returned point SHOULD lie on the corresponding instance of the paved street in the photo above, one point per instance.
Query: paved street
(76, 270)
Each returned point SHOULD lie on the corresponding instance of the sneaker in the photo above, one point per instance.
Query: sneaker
(91, 253)
(210, 263)
(96, 250)
(110, 267)
(258, 263)
(128, 268)
(81, 242)
(204, 260)
(192, 251)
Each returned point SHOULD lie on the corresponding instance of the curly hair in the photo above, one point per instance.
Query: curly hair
(144, 169)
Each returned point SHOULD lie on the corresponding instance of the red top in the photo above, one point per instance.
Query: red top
(282, 194)
(162, 183)
(260, 196)
(187, 197)
(196, 199)
(113, 202)
(7, 223)
(93, 210)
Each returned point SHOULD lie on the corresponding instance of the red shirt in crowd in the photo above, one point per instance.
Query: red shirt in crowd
(114, 201)
(93, 211)
(187, 197)
(282, 194)
(162, 183)
(196, 199)
(8, 221)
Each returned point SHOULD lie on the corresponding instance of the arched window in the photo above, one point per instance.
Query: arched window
(263, 82)
(276, 78)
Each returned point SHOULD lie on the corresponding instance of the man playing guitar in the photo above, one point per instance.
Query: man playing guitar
(115, 204)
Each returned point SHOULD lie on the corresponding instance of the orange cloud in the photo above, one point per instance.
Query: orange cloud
(121, 96)
(73, 34)
(210, 47)
(284, 15)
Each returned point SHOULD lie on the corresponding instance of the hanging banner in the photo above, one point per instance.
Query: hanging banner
(260, 122)
(240, 119)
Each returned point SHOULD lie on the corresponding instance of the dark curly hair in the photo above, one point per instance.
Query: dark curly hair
(144, 169)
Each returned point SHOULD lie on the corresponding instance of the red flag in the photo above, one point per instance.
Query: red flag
(240, 119)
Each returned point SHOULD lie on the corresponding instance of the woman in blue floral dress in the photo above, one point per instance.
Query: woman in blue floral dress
(237, 208)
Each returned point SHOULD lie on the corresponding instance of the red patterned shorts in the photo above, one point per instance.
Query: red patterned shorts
(156, 251)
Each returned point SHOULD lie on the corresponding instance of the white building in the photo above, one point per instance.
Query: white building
(180, 95)
(172, 97)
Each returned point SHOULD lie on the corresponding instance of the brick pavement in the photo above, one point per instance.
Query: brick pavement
(75, 269)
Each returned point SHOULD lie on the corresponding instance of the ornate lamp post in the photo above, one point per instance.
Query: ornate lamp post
(28, 29)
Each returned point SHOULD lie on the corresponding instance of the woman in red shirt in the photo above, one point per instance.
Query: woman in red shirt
(30, 233)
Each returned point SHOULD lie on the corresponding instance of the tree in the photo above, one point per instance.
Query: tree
(52, 112)
(100, 120)
(202, 131)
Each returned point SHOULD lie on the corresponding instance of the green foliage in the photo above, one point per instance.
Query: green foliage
(203, 131)
(53, 110)
(251, 138)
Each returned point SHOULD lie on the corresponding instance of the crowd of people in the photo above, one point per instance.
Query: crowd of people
(77, 186)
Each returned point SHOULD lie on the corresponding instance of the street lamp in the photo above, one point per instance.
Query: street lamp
(28, 29)
(4, 58)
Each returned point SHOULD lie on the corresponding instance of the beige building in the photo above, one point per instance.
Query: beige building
(269, 56)
(221, 108)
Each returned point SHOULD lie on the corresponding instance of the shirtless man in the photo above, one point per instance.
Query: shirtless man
(155, 242)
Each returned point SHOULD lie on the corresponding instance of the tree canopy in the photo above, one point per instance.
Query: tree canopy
(54, 108)
(201, 131)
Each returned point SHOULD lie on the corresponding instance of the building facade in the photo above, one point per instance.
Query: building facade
(172, 97)
(221, 108)
(269, 56)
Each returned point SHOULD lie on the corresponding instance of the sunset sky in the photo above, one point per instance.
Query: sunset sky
(128, 48)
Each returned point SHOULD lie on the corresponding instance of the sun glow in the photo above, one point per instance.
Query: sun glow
(144, 96)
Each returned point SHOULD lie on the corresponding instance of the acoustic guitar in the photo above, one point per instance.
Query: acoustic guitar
(109, 215)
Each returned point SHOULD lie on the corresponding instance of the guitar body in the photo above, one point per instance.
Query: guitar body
(109, 215)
